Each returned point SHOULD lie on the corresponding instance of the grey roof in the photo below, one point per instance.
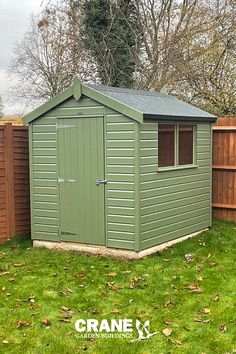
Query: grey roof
(154, 105)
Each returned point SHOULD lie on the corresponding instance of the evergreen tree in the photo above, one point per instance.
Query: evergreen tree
(110, 33)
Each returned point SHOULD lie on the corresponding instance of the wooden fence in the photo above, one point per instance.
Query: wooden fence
(224, 169)
(14, 181)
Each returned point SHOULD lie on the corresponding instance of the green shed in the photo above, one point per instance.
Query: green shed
(118, 171)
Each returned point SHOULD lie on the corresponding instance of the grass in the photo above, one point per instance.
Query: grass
(41, 281)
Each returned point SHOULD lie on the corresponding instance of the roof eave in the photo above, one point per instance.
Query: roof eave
(210, 119)
(53, 102)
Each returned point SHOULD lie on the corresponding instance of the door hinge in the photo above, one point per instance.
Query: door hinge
(66, 180)
(64, 126)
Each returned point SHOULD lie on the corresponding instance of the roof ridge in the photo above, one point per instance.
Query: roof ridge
(124, 90)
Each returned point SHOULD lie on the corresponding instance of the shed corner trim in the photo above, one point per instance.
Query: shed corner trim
(112, 103)
(45, 107)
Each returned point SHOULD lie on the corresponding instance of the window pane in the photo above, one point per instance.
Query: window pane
(166, 145)
(185, 144)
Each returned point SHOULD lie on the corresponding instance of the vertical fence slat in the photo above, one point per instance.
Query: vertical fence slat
(10, 207)
(224, 169)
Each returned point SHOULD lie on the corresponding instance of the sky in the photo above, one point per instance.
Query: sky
(15, 18)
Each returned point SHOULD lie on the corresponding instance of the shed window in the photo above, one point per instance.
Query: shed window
(166, 145)
(175, 145)
(185, 144)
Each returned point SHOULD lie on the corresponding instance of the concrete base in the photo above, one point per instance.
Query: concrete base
(110, 252)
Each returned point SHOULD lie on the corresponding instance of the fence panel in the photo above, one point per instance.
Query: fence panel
(224, 169)
(14, 181)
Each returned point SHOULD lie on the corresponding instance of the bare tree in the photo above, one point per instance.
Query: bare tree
(50, 54)
(189, 45)
(210, 77)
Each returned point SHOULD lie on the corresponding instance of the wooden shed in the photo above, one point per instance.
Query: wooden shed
(118, 171)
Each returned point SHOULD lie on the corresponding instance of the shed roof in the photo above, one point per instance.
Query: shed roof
(153, 104)
(137, 104)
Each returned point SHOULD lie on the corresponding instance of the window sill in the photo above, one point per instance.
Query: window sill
(175, 168)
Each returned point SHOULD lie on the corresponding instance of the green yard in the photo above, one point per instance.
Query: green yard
(195, 299)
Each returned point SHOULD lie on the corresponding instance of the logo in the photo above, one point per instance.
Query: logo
(143, 330)
(121, 328)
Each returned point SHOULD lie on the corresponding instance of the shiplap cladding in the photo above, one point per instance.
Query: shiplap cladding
(173, 203)
(121, 166)
(44, 168)
(43, 174)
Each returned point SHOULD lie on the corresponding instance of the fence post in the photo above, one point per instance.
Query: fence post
(10, 185)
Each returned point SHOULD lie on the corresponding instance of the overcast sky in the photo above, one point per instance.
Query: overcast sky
(14, 19)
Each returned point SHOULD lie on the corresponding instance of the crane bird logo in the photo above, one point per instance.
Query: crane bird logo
(144, 330)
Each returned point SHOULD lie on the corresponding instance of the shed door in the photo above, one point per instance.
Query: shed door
(81, 164)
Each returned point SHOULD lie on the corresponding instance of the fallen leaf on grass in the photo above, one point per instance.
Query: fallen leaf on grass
(167, 332)
(111, 285)
(189, 257)
(198, 268)
(31, 298)
(65, 309)
(46, 321)
(206, 310)
(114, 312)
(168, 322)
(194, 288)
(19, 264)
(166, 260)
(22, 323)
(112, 274)
(69, 290)
(62, 293)
(81, 275)
(216, 298)
(131, 301)
(66, 316)
(212, 264)
(168, 303)
(176, 341)
(135, 281)
(3, 288)
(200, 278)
(223, 328)
(81, 286)
(201, 320)
(11, 280)
(4, 273)
(34, 313)
(127, 272)
(63, 320)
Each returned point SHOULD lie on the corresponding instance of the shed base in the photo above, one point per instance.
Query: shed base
(110, 252)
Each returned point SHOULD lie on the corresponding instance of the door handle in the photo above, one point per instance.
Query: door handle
(101, 181)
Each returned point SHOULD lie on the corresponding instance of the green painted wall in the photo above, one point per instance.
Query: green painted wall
(44, 188)
(173, 203)
(120, 165)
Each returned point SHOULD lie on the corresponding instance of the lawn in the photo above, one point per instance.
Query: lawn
(43, 293)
